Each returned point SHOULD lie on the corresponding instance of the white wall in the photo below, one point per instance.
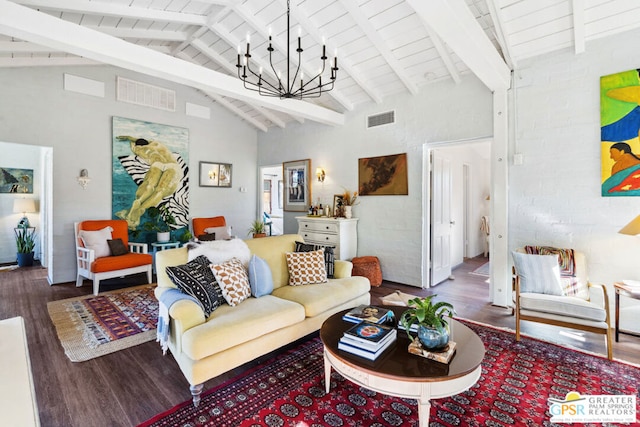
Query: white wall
(389, 227)
(35, 110)
(554, 197)
(16, 156)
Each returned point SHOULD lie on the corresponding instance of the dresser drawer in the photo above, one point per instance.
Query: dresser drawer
(323, 227)
(320, 238)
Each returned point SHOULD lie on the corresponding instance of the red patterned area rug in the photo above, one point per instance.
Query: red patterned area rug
(517, 380)
(92, 326)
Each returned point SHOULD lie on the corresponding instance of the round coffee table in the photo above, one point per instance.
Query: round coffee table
(399, 373)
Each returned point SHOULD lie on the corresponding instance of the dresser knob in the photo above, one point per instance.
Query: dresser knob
(306, 225)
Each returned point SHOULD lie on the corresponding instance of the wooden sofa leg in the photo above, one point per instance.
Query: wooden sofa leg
(195, 392)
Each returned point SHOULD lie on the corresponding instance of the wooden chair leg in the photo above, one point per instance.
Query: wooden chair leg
(609, 342)
(517, 325)
(96, 286)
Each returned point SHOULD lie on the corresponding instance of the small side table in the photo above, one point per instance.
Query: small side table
(624, 290)
(157, 247)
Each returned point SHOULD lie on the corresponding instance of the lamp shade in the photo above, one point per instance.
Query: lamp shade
(24, 206)
(633, 228)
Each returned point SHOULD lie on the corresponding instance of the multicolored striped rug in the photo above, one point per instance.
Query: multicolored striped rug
(92, 326)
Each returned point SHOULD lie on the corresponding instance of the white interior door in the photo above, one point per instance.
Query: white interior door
(441, 183)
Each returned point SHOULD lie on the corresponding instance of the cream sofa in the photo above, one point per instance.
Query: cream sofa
(232, 336)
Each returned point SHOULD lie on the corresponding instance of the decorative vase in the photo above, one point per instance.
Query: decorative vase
(347, 212)
(163, 237)
(432, 338)
(25, 259)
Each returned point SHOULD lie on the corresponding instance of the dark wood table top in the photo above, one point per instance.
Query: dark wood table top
(397, 362)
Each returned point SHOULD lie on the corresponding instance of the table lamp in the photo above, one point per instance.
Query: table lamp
(633, 228)
(24, 206)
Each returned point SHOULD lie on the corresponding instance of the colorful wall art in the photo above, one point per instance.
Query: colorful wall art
(16, 180)
(150, 169)
(384, 175)
(619, 127)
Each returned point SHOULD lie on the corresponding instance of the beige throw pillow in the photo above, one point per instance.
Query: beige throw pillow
(97, 240)
(233, 280)
(306, 268)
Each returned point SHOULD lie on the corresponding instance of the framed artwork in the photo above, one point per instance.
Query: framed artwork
(619, 126)
(16, 180)
(150, 169)
(384, 175)
(337, 205)
(215, 174)
(297, 191)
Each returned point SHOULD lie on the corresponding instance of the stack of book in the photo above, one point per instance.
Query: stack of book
(368, 340)
(368, 313)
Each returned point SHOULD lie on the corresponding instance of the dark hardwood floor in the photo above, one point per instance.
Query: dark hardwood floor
(132, 385)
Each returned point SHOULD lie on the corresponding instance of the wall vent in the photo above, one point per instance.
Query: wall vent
(381, 119)
(145, 94)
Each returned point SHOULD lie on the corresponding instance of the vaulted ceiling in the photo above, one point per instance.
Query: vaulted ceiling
(384, 47)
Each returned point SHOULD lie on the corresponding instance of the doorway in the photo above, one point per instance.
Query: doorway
(457, 182)
(271, 198)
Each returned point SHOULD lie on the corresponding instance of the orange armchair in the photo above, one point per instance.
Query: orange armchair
(200, 224)
(102, 265)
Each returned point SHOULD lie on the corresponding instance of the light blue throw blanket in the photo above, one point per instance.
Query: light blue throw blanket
(167, 299)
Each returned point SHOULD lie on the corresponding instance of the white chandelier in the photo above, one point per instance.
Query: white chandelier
(290, 88)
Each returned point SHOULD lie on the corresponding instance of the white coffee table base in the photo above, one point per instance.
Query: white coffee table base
(423, 391)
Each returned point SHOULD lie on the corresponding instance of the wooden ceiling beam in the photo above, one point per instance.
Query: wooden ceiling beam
(458, 28)
(578, 26)
(498, 23)
(37, 27)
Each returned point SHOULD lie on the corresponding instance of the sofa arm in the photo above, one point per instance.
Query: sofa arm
(184, 314)
(598, 295)
(342, 269)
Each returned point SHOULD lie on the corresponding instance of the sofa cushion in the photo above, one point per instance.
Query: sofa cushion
(195, 278)
(318, 298)
(538, 273)
(129, 260)
(563, 306)
(329, 257)
(233, 281)
(220, 233)
(117, 247)
(306, 267)
(97, 240)
(260, 278)
(230, 326)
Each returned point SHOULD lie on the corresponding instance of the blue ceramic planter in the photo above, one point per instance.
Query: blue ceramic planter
(433, 339)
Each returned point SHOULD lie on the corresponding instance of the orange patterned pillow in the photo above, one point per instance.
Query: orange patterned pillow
(233, 281)
(306, 267)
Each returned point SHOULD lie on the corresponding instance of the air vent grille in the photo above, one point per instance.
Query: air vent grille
(145, 94)
(381, 119)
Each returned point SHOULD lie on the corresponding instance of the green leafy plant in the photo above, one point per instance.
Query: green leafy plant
(186, 236)
(160, 220)
(25, 240)
(424, 312)
(257, 227)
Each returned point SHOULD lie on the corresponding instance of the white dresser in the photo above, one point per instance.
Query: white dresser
(339, 232)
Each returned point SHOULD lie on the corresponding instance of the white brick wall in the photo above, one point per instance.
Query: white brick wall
(554, 197)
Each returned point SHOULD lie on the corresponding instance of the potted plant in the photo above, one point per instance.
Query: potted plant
(257, 229)
(349, 199)
(433, 329)
(25, 243)
(160, 221)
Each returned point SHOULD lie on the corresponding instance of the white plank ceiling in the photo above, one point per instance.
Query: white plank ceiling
(384, 47)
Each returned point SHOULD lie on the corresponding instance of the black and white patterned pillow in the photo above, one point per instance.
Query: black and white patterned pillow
(196, 279)
(329, 256)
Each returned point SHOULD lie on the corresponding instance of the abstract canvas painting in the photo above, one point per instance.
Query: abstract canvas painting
(150, 169)
(619, 127)
(16, 180)
(384, 175)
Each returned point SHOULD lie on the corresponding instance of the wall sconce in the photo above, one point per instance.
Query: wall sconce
(84, 179)
(320, 174)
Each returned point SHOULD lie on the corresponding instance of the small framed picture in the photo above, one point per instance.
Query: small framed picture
(337, 205)
(215, 174)
(297, 191)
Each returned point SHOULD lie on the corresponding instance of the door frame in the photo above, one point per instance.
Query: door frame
(427, 148)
